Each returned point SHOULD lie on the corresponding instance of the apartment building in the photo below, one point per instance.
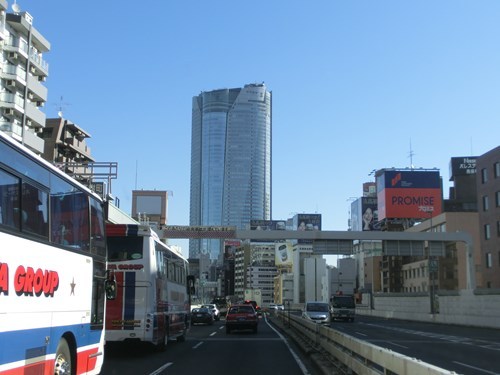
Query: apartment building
(22, 78)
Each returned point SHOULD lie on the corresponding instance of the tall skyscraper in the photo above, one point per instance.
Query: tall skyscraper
(230, 161)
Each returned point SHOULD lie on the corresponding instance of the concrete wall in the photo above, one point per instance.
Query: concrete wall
(478, 308)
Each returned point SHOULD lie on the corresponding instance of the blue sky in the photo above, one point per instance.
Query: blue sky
(354, 84)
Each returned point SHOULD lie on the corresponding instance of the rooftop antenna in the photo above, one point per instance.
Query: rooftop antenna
(410, 155)
(15, 7)
(61, 106)
(136, 167)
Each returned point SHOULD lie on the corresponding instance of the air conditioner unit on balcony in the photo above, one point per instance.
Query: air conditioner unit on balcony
(29, 123)
(40, 104)
(8, 112)
(13, 55)
(31, 96)
(33, 69)
(11, 83)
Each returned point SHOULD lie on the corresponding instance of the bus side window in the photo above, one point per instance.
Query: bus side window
(170, 271)
(159, 262)
(10, 212)
(69, 215)
(34, 203)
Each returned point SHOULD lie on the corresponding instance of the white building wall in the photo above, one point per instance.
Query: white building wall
(314, 275)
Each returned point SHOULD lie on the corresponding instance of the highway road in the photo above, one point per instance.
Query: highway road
(209, 350)
(465, 350)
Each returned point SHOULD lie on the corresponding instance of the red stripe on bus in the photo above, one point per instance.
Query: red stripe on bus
(85, 364)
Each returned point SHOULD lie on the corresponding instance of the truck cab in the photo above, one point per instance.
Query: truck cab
(343, 307)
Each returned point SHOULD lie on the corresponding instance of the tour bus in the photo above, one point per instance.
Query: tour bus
(152, 301)
(52, 268)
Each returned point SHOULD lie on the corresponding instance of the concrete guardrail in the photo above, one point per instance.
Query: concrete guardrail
(359, 356)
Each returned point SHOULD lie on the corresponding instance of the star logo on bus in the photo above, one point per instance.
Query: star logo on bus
(72, 293)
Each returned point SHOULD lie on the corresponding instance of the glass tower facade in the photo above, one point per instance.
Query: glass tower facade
(230, 161)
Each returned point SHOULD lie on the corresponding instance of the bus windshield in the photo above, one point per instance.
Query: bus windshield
(125, 248)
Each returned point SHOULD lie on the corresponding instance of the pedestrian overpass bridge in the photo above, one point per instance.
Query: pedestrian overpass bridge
(341, 242)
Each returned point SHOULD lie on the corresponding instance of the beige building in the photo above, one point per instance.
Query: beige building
(452, 267)
(150, 206)
(65, 146)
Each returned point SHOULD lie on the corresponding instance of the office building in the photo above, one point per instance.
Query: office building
(488, 191)
(22, 76)
(230, 161)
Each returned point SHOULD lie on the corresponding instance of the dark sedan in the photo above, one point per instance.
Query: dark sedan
(241, 317)
(201, 316)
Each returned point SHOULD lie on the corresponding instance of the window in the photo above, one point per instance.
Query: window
(484, 175)
(489, 260)
(70, 215)
(9, 201)
(97, 244)
(487, 233)
(497, 198)
(34, 204)
(23, 206)
(496, 168)
(486, 203)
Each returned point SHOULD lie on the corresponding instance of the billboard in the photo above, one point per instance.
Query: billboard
(364, 214)
(256, 224)
(413, 194)
(267, 224)
(306, 222)
(283, 255)
(462, 166)
(230, 249)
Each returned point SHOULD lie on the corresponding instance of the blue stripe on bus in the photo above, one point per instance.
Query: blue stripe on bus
(132, 230)
(30, 343)
(129, 304)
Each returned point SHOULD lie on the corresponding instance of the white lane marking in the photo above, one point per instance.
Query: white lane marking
(361, 334)
(198, 345)
(476, 368)
(213, 333)
(455, 339)
(295, 356)
(159, 370)
(401, 346)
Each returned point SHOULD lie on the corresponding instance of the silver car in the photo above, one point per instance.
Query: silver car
(317, 311)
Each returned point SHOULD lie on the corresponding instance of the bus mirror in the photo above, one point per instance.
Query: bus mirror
(110, 286)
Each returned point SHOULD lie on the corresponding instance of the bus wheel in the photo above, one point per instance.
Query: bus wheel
(63, 359)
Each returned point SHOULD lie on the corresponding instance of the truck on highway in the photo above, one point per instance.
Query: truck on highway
(343, 307)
